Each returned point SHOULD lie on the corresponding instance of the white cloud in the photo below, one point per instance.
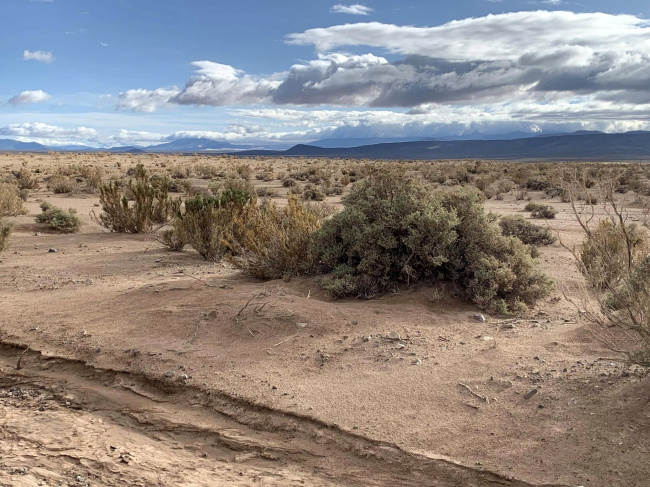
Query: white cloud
(27, 97)
(42, 56)
(42, 131)
(145, 100)
(490, 38)
(354, 9)
(103, 44)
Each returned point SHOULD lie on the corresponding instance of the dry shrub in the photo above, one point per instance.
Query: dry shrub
(527, 232)
(151, 204)
(25, 179)
(615, 260)
(11, 204)
(61, 184)
(212, 225)
(5, 232)
(173, 239)
(395, 231)
(279, 241)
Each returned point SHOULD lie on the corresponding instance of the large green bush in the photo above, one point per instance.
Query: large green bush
(394, 231)
(65, 221)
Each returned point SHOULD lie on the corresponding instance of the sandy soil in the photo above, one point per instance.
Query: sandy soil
(175, 381)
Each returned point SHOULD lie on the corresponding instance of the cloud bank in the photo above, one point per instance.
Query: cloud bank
(354, 9)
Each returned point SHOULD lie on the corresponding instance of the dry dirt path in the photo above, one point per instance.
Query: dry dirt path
(65, 423)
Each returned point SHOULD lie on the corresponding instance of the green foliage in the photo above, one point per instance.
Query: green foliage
(527, 232)
(5, 232)
(59, 219)
(394, 231)
(542, 211)
(151, 203)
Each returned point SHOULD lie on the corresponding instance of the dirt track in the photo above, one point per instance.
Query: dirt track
(64, 423)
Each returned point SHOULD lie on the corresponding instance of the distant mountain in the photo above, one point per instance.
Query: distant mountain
(357, 141)
(195, 145)
(580, 146)
(127, 149)
(15, 145)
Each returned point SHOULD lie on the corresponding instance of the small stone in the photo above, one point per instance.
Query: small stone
(169, 374)
(480, 317)
(486, 338)
(393, 335)
(417, 362)
(89, 280)
(508, 326)
(301, 325)
(367, 338)
(52, 250)
(400, 346)
(183, 377)
(531, 394)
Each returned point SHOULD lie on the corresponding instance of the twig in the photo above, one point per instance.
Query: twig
(20, 359)
(285, 340)
(201, 281)
(482, 398)
(249, 331)
(196, 331)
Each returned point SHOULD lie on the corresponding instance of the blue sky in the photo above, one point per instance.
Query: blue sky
(279, 72)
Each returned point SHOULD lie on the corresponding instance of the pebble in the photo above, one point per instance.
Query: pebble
(393, 335)
(183, 377)
(479, 317)
(367, 338)
(168, 374)
(89, 280)
(52, 250)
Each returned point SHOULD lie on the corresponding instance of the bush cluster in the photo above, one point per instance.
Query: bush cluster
(541, 211)
(5, 232)
(394, 231)
(527, 232)
(59, 219)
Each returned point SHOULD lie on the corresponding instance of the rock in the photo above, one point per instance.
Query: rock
(480, 317)
(393, 335)
(183, 377)
(400, 346)
(301, 325)
(417, 362)
(367, 338)
(52, 250)
(508, 326)
(169, 374)
(531, 394)
(89, 280)
(486, 338)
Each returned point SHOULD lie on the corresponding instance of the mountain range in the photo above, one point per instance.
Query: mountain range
(582, 145)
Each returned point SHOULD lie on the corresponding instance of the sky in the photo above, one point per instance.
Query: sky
(280, 72)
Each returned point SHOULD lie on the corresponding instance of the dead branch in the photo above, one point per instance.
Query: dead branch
(482, 398)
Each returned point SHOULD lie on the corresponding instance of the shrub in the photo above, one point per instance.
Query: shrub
(26, 180)
(279, 241)
(212, 225)
(543, 211)
(61, 184)
(604, 254)
(11, 204)
(527, 232)
(59, 219)
(151, 204)
(394, 230)
(5, 232)
(312, 193)
(173, 239)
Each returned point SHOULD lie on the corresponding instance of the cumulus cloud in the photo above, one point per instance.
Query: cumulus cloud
(42, 56)
(140, 100)
(354, 9)
(539, 56)
(27, 97)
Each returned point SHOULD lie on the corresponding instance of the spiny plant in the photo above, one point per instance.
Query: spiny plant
(150, 203)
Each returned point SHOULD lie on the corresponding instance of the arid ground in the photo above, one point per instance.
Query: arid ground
(123, 363)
